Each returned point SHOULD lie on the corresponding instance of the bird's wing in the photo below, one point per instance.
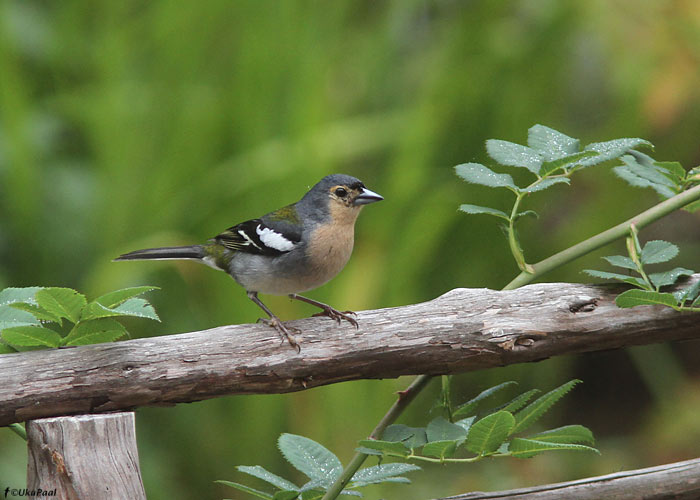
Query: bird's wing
(265, 236)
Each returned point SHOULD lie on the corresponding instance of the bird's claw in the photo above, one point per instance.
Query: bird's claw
(284, 331)
(338, 315)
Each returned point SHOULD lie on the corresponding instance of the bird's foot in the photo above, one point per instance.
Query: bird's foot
(337, 315)
(284, 331)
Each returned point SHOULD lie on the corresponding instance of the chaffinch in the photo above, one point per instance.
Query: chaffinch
(291, 250)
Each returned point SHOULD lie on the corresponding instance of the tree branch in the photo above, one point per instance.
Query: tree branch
(677, 481)
(463, 330)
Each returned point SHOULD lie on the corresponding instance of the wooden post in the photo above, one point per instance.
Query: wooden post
(85, 457)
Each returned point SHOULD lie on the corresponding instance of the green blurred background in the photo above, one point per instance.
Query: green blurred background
(131, 124)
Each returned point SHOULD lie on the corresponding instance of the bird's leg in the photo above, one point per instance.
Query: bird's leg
(327, 310)
(275, 322)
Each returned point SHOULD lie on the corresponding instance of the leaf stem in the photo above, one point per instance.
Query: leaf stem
(404, 399)
(19, 430)
(621, 230)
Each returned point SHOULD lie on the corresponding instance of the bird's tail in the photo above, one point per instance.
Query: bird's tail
(195, 252)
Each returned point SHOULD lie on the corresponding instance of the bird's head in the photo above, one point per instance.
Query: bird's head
(340, 196)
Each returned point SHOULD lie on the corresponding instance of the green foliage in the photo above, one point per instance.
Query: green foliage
(441, 440)
(486, 435)
(26, 312)
(648, 286)
(665, 177)
(551, 157)
(321, 467)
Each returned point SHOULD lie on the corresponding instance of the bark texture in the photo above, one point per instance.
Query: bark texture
(677, 481)
(85, 457)
(463, 330)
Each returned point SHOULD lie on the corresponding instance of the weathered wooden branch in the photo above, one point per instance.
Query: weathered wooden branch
(677, 481)
(85, 456)
(463, 330)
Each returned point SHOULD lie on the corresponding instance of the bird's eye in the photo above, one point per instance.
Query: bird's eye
(341, 192)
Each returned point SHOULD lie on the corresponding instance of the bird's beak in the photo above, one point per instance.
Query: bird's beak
(366, 197)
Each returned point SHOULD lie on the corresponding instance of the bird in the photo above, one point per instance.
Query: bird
(291, 250)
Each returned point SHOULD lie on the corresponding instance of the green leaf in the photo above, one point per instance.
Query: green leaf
(388, 447)
(692, 207)
(549, 167)
(94, 332)
(615, 276)
(31, 336)
(627, 174)
(487, 435)
(286, 495)
(546, 183)
(441, 449)
(466, 423)
(611, 149)
(690, 293)
(440, 429)
(265, 475)
(657, 251)
(11, 316)
(62, 302)
(514, 155)
(669, 277)
(474, 209)
(526, 448)
(551, 144)
(412, 437)
(310, 457)
(476, 173)
(470, 406)
(380, 473)
(673, 170)
(36, 311)
(528, 415)
(632, 298)
(527, 213)
(621, 261)
(649, 171)
(116, 297)
(131, 307)
(314, 494)
(246, 489)
(14, 295)
(7, 349)
(566, 434)
(519, 401)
